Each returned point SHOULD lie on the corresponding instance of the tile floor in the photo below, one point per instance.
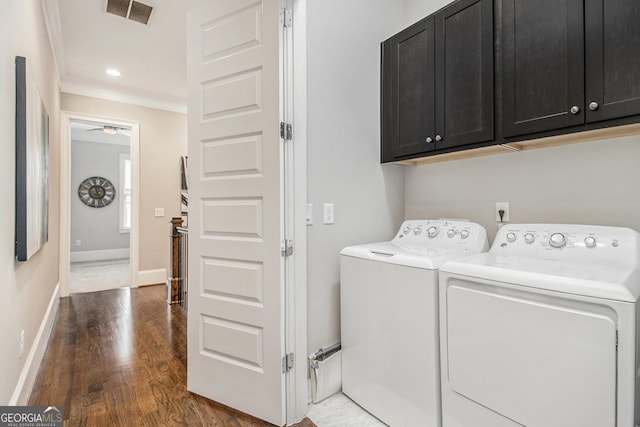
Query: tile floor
(338, 410)
(92, 276)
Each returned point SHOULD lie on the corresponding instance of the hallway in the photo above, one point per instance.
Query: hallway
(118, 358)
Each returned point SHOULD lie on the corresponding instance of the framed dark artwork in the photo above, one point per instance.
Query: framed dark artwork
(184, 192)
(32, 165)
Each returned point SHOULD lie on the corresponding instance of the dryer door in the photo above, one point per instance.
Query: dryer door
(537, 361)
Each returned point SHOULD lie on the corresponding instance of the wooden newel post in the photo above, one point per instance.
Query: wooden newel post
(174, 279)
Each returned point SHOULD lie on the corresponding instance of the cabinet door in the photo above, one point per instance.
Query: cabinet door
(612, 35)
(542, 65)
(464, 73)
(409, 85)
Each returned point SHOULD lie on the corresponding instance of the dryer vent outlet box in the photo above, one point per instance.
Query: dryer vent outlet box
(326, 373)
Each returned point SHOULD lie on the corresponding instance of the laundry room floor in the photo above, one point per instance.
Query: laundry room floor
(338, 411)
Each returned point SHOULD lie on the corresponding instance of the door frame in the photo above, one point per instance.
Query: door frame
(297, 387)
(66, 117)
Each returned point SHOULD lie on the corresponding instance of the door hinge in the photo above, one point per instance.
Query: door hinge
(287, 363)
(286, 131)
(286, 17)
(286, 247)
(616, 340)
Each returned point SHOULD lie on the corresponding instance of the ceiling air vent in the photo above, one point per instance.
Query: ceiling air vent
(129, 9)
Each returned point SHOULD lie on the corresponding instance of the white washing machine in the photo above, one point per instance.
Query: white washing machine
(542, 330)
(389, 318)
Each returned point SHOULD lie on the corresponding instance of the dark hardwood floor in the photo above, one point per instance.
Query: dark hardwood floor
(118, 358)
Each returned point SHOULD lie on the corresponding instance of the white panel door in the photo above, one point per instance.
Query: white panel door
(540, 363)
(235, 321)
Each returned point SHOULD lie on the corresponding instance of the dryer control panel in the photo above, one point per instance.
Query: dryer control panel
(567, 241)
(442, 233)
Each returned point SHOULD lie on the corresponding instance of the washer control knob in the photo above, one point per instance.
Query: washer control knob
(590, 242)
(464, 234)
(511, 237)
(557, 240)
(529, 238)
(451, 232)
(417, 230)
(406, 230)
(433, 231)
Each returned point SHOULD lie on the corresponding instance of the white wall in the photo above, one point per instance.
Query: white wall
(343, 166)
(585, 183)
(415, 10)
(96, 228)
(27, 287)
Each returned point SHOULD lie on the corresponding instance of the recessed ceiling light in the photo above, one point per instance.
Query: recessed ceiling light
(113, 72)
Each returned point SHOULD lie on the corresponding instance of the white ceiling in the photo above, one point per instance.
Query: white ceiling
(87, 40)
(92, 132)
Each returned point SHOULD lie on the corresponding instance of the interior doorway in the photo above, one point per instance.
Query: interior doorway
(99, 183)
(100, 206)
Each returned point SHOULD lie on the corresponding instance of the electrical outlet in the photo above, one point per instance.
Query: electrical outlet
(21, 342)
(78, 242)
(505, 207)
(159, 212)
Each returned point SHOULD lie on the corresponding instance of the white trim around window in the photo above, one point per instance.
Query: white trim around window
(125, 193)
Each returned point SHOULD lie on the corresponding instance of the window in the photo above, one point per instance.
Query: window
(125, 193)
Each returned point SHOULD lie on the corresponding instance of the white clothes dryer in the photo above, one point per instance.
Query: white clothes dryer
(542, 330)
(389, 318)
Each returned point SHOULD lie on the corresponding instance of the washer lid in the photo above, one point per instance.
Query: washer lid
(411, 256)
(612, 281)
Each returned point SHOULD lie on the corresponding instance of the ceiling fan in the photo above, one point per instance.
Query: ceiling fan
(112, 130)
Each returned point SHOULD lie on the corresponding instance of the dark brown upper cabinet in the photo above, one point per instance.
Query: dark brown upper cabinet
(568, 62)
(437, 82)
(612, 41)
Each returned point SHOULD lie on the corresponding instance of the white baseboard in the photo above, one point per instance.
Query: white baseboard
(152, 277)
(100, 255)
(31, 366)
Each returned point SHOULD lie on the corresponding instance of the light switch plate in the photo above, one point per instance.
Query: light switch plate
(328, 213)
(159, 212)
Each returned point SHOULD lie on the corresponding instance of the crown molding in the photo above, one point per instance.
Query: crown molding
(51, 13)
(124, 95)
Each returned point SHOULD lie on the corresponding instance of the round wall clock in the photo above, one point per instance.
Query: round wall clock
(96, 192)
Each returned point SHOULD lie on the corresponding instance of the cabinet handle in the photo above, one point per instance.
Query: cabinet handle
(429, 140)
(593, 106)
(575, 109)
(438, 138)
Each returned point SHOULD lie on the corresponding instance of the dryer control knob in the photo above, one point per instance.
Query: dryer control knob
(464, 234)
(451, 232)
(406, 230)
(529, 238)
(417, 230)
(433, 231)
(511, 236)
(590, 242)
(557, 240)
